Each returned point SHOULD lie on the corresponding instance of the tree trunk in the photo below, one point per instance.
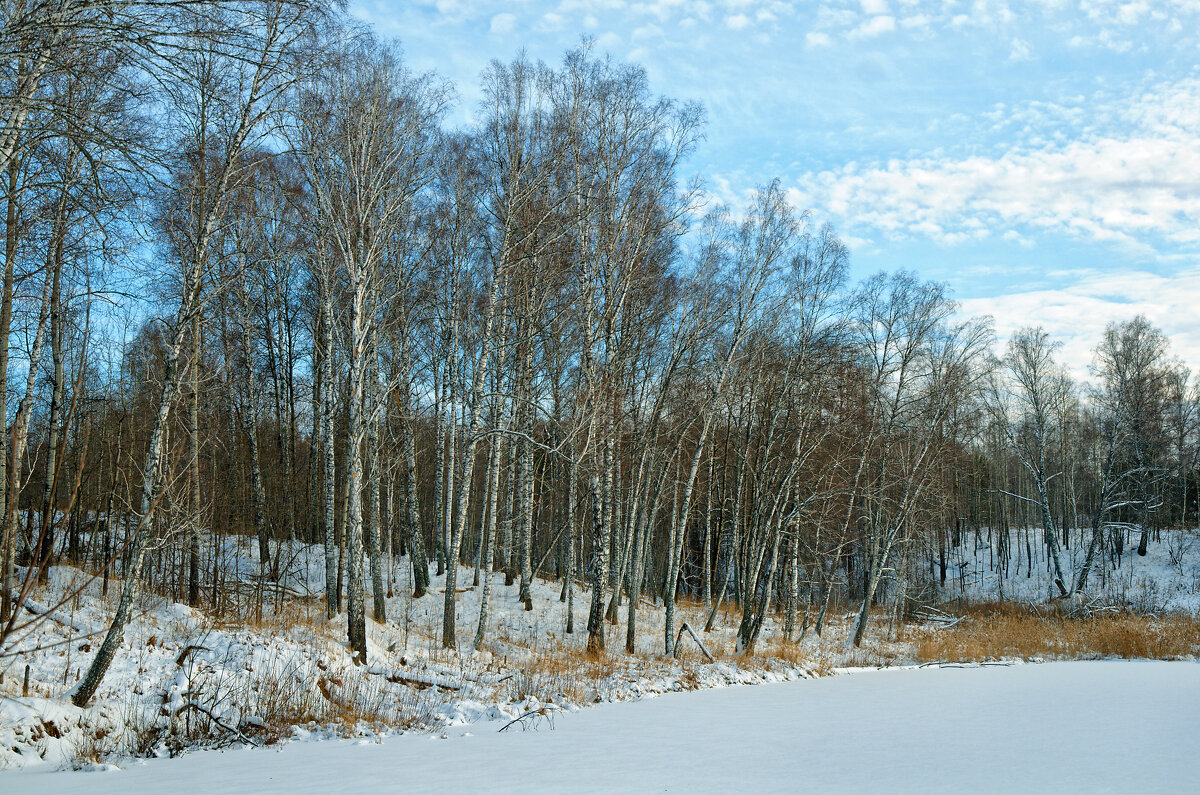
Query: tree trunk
(355, 611)
(416, 534)
(197, 507)
(374, 526)
(329, 455)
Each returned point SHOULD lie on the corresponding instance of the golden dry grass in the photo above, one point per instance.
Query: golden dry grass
(991, 632)
(786, 651)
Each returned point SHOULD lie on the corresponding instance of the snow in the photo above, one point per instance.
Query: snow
(291, 670)
(1063, 727)
(285, 675)
(1166, 579)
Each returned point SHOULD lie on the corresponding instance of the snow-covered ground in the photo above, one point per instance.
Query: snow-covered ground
(286, 674)
(1056, 727)
(1166, 579)
(270, 667)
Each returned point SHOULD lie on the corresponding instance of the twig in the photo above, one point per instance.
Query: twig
(218, 721)
(545, 712)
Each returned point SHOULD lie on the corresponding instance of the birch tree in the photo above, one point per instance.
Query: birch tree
(365, 137)
(1028, 385)
(224, 99)
(917, 366)
(626, 147)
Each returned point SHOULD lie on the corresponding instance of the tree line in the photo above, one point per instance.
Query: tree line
(256, 285)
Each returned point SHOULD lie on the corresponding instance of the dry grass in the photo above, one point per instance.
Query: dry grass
(997, 631)
(786, 651)
(561, 670)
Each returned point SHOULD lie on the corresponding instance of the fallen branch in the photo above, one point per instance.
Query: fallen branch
(937, 617)
(414, 680)
(679, 637)
(41, 610)
(532, 716)
(222, 724)
(186, 651)
(265, 583)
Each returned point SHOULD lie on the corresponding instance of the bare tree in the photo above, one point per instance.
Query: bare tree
(1027, 386)
(223, 100)
(1133, 367)
(917, 368)
(365, 136)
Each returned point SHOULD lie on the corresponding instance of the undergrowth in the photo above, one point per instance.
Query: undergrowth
(1010, 631)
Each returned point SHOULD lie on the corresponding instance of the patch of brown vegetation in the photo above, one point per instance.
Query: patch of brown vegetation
(992, 632)
(561, 670)
(786, 651)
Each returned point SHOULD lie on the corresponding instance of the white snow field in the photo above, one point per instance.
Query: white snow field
(1107, 726)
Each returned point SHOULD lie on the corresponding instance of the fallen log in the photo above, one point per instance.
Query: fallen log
(679, 637)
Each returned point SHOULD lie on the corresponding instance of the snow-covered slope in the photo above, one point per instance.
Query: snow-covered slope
(1166, 579)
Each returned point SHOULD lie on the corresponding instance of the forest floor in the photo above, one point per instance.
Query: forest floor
(1166, 579)
(272, 668)
(1060, 727)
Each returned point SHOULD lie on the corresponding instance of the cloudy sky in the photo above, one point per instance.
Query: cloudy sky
(1042, 158)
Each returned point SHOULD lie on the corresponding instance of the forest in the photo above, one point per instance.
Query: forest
(277, 329)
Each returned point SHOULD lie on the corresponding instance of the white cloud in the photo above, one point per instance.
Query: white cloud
(1077, 314)
(818, 40)
(1020, 51)
(1135, 186)
(451, 8)
(829, 18)
(1132, 13)
(551, 21)
(916, 22)
(874, 26)
(503, 24)
(1115, 25)
(608, 41)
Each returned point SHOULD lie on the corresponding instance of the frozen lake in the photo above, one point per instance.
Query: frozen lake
(1062, 727)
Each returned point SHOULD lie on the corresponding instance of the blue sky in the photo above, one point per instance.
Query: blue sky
(1041, 158)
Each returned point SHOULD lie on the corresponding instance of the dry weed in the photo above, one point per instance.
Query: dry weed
(991, 632)
(786, 651)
